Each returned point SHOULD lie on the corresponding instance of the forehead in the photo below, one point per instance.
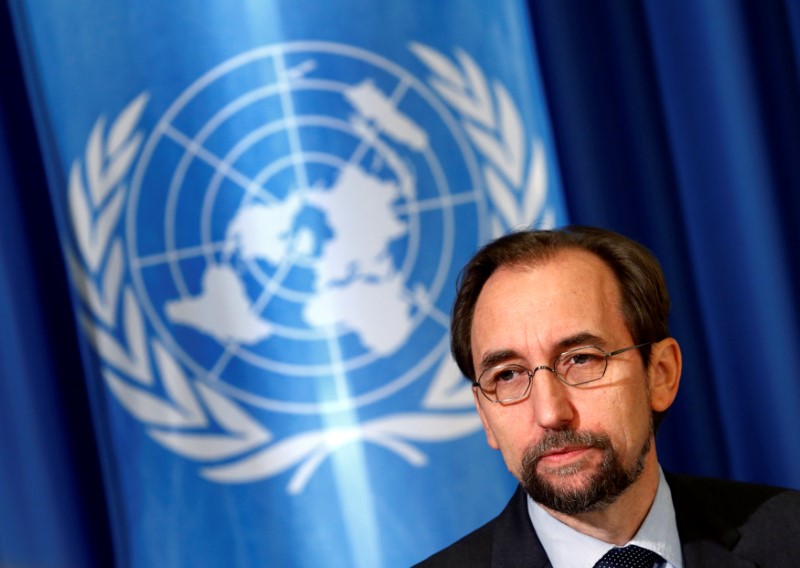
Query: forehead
(522, 307)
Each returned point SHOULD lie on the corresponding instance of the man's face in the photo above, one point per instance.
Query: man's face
(564, 442)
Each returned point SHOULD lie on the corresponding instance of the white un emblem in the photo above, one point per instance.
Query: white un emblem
(291, 234)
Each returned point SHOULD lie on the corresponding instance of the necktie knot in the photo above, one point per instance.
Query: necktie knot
(630, 556)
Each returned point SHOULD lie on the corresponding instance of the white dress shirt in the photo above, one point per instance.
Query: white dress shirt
(568, 548)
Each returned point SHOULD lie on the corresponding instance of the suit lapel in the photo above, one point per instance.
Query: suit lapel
(707, 541)
(515, 543)
(708, 554)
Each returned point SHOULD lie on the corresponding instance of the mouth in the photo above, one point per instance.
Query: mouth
(563, 451)
(564, 455)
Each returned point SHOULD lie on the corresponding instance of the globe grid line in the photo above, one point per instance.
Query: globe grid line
(441, 202)
(287, 110)
(195, 149)
(178, 253)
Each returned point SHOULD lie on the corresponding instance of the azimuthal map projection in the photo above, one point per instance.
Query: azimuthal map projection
(300, 233)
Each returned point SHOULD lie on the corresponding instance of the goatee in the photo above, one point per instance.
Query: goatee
(598, 489)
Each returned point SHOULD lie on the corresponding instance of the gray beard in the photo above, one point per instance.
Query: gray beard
(604, 486)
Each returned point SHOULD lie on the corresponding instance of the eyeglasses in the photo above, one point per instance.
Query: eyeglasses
(579, 366)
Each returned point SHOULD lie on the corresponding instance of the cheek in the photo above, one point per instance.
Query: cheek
(619, 413)
(632, 419)
(513, 439)
(502, 431)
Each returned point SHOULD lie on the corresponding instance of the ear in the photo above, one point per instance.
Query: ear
(479, 402)
(664, 373)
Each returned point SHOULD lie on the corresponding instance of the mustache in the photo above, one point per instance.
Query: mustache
(563, 439)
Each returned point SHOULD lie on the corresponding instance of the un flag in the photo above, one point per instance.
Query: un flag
(264, 208)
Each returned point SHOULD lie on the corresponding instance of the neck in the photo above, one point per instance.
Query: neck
(618, 522)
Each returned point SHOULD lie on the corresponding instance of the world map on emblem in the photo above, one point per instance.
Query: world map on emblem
(295, 224)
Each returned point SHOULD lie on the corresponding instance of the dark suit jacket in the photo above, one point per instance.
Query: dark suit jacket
(720, 523)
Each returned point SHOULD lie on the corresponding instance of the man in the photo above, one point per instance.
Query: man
(564, 335)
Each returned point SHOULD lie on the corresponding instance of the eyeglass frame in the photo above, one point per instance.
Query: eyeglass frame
(532, 372)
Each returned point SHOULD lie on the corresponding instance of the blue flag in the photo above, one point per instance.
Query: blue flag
(264, 208)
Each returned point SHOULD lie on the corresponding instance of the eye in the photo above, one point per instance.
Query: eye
(582, 364)
(506, 374)
(583, 358)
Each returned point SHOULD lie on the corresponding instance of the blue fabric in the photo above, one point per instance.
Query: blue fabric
(263, 209)
(52, 507)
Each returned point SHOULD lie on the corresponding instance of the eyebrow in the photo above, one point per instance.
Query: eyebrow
(494, 358)
(580, 339)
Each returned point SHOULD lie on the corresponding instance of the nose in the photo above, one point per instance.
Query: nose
(552, 405)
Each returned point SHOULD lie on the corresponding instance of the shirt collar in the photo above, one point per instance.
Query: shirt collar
(566, 547)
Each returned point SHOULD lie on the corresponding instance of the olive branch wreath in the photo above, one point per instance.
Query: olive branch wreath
(517, 184)
(191, 418)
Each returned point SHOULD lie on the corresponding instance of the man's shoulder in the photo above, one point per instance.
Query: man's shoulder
(757, 522)
(735, 501)
(507, 540)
